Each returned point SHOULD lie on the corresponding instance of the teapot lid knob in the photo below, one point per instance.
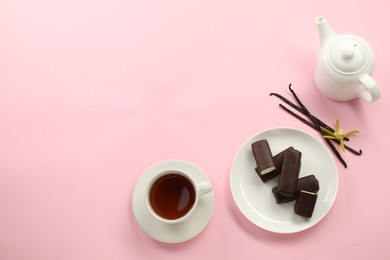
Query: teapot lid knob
(349, 52)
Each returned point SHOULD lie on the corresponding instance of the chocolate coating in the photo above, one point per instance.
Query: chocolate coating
(305, 203)
(290, 172)
(263, 156)
(307, 183)
(278, 162)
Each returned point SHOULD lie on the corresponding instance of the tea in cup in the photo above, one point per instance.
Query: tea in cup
(172, 196)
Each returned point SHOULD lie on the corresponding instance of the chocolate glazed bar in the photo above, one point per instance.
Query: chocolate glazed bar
(308, 183)
(263, 156)
(278, 162)
(305, 203)
(289, 175)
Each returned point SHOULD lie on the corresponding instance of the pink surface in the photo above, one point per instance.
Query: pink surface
(94, 92)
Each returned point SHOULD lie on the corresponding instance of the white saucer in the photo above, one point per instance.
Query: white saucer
(255, 199)
(172, 233)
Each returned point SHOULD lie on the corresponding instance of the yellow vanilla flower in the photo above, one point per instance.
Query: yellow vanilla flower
(339, 134)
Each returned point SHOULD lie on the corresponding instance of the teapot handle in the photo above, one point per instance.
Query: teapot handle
(370, 92)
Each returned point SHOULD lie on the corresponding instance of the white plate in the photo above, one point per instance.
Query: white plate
(255, 199)
(172, 233)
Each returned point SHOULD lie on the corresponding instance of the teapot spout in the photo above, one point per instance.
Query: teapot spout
(324, 30)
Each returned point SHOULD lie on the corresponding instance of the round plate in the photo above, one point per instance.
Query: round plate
(172, 233)
(255, 199)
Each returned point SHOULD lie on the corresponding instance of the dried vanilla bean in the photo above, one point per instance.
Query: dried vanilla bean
(305, 110)
(317, 126)
(312, 126)
(301, 110)
(314, 123)
(338, 155)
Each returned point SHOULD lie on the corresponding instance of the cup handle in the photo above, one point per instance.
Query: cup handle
(204, 188)
(370, 92)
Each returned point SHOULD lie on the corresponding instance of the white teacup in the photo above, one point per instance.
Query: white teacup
(172, 196)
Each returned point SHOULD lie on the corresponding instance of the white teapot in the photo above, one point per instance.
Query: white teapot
(344, 66)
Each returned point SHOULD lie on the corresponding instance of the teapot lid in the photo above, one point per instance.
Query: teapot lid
(348, 55)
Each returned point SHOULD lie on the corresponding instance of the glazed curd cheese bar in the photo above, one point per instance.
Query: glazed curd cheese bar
(308, 183)
(263, 157)
(304, 206)
(290, 172)
(278, 162)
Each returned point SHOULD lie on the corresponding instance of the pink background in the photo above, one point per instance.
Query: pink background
(94, 92)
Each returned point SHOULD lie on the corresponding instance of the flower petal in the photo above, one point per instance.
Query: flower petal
(351, 133)
(328, 131)
(329, 137)
(342, 145)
